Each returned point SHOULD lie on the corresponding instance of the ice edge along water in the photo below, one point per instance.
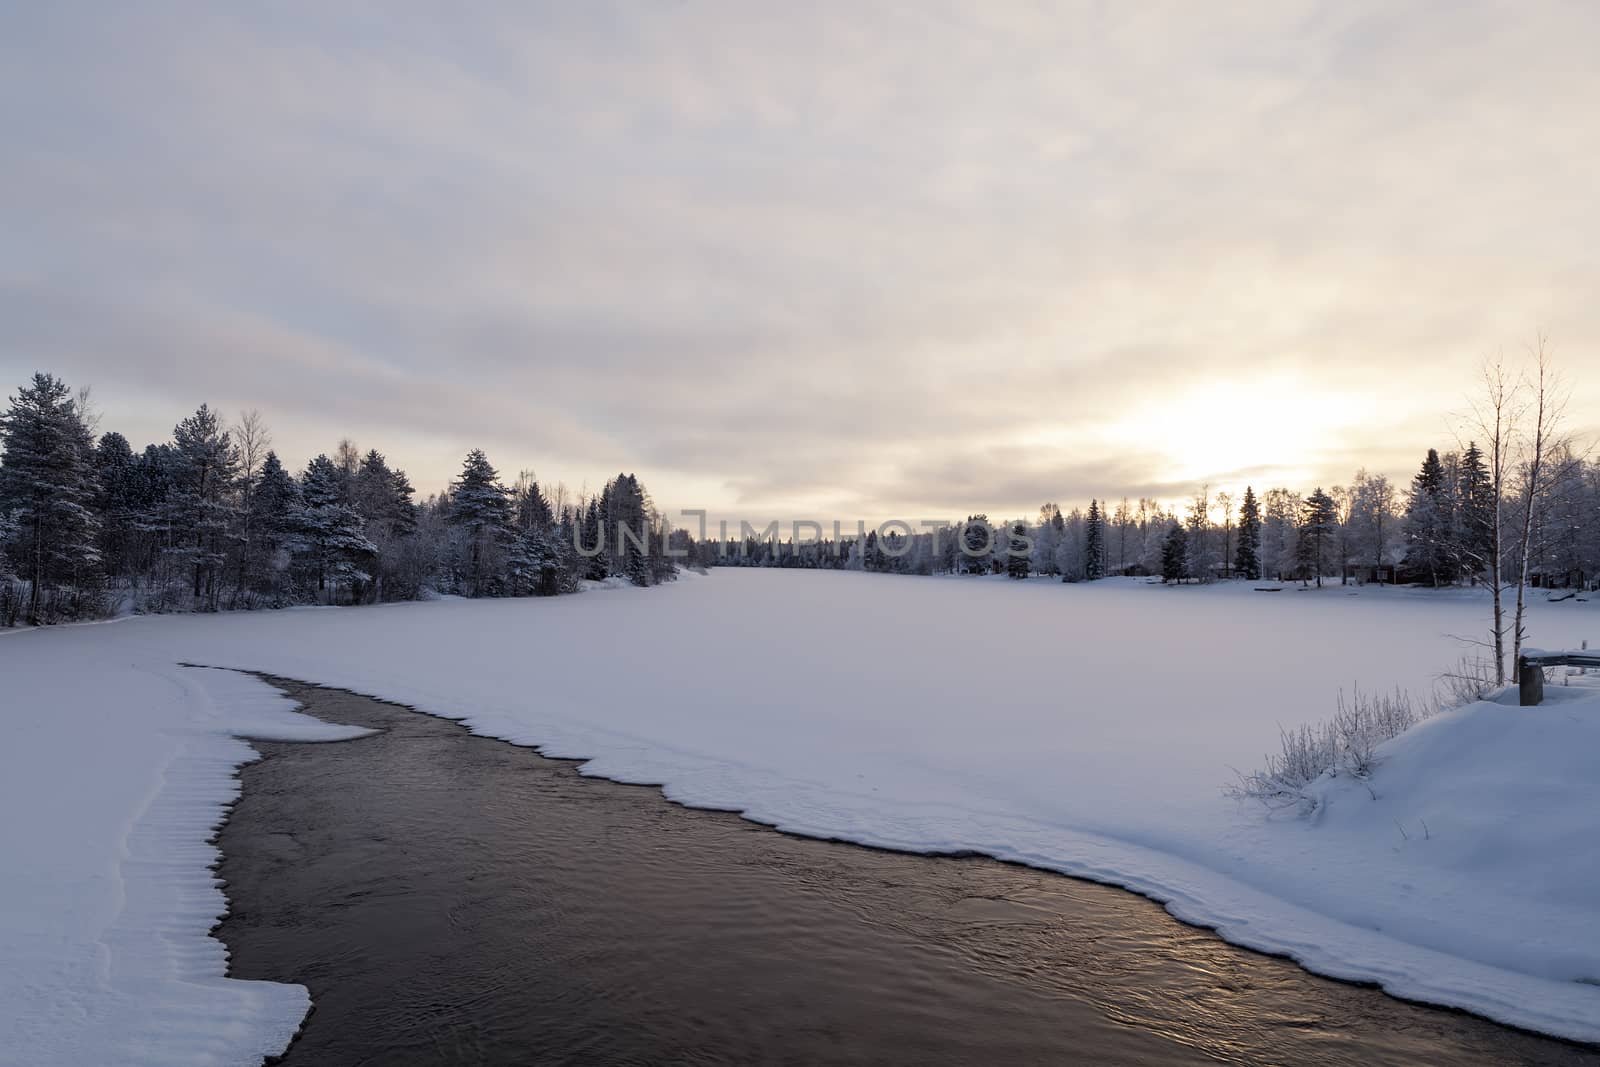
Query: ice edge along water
(149, 986)
(157, 994)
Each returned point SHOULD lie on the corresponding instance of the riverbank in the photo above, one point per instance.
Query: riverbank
(448, 897)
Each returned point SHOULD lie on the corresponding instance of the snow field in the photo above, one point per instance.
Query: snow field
(1085, 729)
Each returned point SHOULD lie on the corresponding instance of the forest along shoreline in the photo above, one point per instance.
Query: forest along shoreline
(449, 896)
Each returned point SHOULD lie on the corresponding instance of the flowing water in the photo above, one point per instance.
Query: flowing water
(449, 898)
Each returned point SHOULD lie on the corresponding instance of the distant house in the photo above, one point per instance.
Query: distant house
(1369, 574)
(1558, 578)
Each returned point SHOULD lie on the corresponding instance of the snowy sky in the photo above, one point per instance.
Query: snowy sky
(806, 259)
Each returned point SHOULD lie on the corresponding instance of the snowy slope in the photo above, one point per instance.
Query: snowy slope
(1087, 729)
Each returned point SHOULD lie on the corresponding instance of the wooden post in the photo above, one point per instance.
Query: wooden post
(1530, 681)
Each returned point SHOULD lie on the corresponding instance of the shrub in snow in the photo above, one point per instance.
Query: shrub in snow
(1346, 744)
(1471, 680)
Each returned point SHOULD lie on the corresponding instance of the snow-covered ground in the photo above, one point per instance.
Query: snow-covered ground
(115, 770)
(1088, 729)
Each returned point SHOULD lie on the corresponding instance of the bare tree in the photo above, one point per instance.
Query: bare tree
(1345, 508)
(1199, 522)
(347, 457)
(88, 414)
(1548, 409)
(1494, 416)
(251, 436)
(1379, 496)
(250, 433)
(1225, 502)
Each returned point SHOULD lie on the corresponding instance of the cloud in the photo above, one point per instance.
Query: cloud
(883, 258)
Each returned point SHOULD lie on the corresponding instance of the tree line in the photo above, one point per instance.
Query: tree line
(212, 519)
(1438, 532)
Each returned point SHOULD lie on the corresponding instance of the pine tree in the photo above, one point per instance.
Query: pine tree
(47, 490)
(481, 508)
(977, 545)
(1094, 544)
(1318, 527)
(1175, 554)
(8, 535)
(205, 465)
(1247, 559)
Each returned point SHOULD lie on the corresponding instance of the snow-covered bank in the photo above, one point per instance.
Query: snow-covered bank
(112, 779)
(1086, 729)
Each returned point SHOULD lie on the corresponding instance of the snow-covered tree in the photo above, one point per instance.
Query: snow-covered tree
(382, 497)
(116, 502)
(1247, 557)
(1121, 528)
(275, 507)
(625, 513)
(333, 548)
(1047, 539)
(47, 490)
(533, 511)
(1094, 543)
(1175, 554)
(201, 505)
(1429, 523)
(1281, 533)
(1202, 556)
(977, 545)
(1372, 517)
(1318, 528)
(1019, 550)
(480, 508)
(1473, 537)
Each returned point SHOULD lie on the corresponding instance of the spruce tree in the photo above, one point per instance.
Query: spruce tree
(480, 508)
(1017, 556)
(977, 545)
(275, 507)
(115, 502)
(1247, 558)
(153, 519)
(592, 536)
(332, 546)
(1473, 538)
(47, 490)
(533, 510)
(1094, 543)
(1175, 554)
(625, 512)
(569, 532)
(1428, 522)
